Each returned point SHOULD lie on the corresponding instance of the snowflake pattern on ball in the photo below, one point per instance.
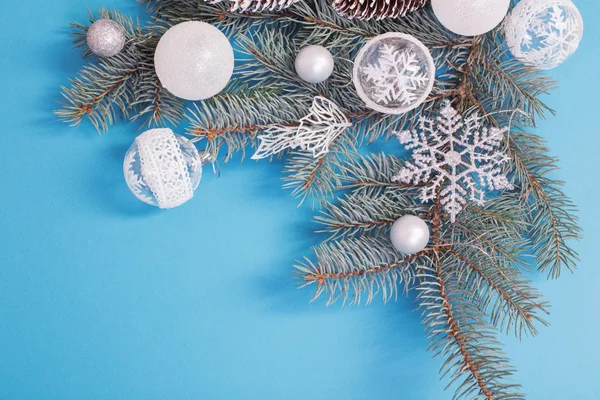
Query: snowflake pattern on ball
(459, 157)
(544, 33)
(397, 76)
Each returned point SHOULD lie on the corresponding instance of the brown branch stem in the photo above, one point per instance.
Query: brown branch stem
(454, 332)
(320, 278)
(88, 108)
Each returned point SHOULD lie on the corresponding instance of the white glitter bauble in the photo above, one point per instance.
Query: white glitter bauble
(470, 17)
(409, 234)
(106, 38)
(194, 60)
(314, 64)
(543, 33)
(162, 169)
(393, 73)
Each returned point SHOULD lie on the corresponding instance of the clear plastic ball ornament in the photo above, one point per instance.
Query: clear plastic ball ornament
(162, 169)
(543, 33)
(314, 64)
(106, 38)
(394, 73)
(194, 60)
(470, 17)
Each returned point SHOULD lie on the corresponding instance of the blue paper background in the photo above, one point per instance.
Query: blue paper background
(102, 297)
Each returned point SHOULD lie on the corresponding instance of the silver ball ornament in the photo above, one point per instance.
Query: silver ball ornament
(470, 17)
(543, 33)
(409, 234)
(194, 60)
(106, 38)
(314, 64)
(162, 169)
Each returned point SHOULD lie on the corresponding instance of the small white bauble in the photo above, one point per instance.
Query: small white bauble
(543, 33)
(106, 38)
(162, 169)
(314, 64)
(393, 73)
(409, 234)
(194, 60)
(470, 17)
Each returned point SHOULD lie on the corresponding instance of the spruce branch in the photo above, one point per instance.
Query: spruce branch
(312, 177)
(124, 85)
(473, 359)
(235, 117)
(371, 175)
(510, 301)
(553, 218)
(100, 92)
(271, 63)
(496, 229)
(153, 103)
(353, 268)
(355, 214)
(507, 84)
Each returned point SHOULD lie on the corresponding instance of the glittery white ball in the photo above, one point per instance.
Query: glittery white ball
(543, 33)
(106, 38)
(162, 169)
(314, 64)
(410, 234)
(393, 73)
(470, 17)
(194, 60)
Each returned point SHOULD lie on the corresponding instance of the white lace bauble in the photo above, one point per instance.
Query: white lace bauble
(162, 169)
(394, 73)
(543, 33)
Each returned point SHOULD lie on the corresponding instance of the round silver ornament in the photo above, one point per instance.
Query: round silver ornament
(194, 60)
(314, 64)
(162, 169)
(470, 17)
(393, 73)
(106, 38)
(543, 33)
(409, 234)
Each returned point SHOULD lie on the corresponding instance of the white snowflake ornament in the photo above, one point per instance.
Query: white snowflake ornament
(459, 157)
(394, 73)
(314, 133)
(543, 33)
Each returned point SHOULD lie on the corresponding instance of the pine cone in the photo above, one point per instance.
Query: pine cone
(257, 5)
(367, 9)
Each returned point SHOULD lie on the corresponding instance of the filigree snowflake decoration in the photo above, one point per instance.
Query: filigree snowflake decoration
(315, 132)
(394, 73)
(456, 156)
(544, 33)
